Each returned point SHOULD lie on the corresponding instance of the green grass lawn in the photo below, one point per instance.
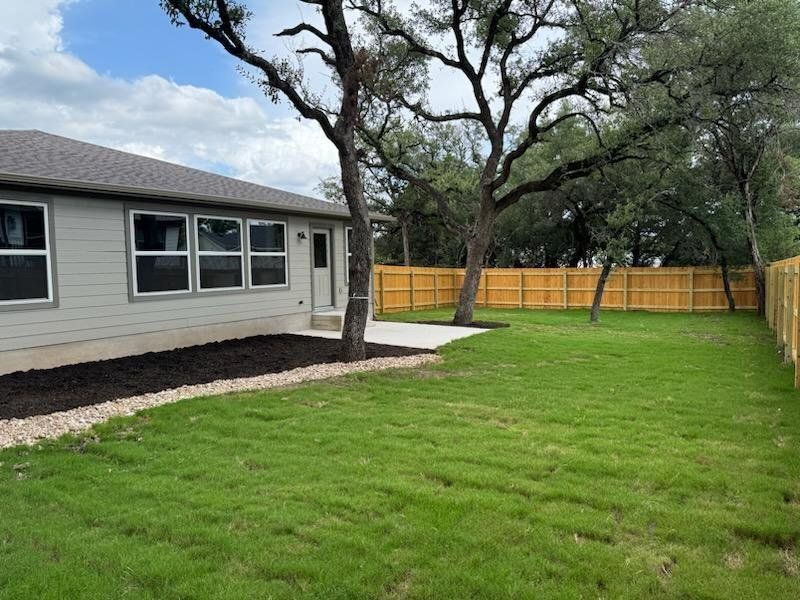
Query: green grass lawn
(649, 456)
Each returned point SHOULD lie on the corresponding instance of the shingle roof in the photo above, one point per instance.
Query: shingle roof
(31, 157)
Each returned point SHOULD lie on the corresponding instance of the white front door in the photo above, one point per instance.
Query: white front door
(321, 266)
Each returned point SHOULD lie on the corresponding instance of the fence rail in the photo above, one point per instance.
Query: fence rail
(678, 289)
(782, 308)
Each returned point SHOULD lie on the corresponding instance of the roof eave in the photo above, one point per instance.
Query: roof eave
(156, 194)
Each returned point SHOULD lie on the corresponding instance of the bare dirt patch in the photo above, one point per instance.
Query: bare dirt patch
(791, 564)
(733, 560)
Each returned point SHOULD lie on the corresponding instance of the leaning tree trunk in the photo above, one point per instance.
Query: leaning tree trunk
(477, 245)
(406, 245)
(726, 282)
(722, 259)
(355, 318)
(723, 263)
(594, 316)
(760, 277)
(755, 253)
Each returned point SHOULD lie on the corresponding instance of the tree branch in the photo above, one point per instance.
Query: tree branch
(224, 32)
(291, 31)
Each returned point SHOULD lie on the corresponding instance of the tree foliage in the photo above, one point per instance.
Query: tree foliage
(686, 104)
(520, 61)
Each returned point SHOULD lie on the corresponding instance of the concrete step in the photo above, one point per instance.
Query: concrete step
(332, 320)
(327, 321)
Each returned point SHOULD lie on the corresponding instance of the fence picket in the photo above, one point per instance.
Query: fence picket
(783, 308)
(788, 319)
(641, 288)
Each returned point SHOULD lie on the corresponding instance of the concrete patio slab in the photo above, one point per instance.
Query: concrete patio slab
(409, 335)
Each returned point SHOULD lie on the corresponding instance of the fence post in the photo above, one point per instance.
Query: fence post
(771, 288)
(625, 289)
(691, 290)
(778, 303)
(566, 302)
(779, 324)
(786, 317)
(383, 294)
(776, 297)
(413, 304)
(521, 286)
(485, 287)
(793, 339)
(768, 296)
(436, 288)
(796, 329)
(788, 330)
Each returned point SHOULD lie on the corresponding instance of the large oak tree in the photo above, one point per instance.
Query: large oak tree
(226, 22)
(519, 61)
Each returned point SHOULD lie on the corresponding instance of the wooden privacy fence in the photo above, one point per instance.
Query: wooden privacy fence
(783, 306)
(680, 289)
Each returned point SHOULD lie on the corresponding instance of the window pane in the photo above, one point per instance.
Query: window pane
(220, 271)
(162, 233)
(268, 270)
(266, 237)
(320, 250)
(219, 235)
(162, 273)
(23, 277)
(22, 227)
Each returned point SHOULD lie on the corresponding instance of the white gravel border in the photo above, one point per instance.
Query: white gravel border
(29, 430)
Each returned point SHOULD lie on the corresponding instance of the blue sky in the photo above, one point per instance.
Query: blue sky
(134, 38)
(118, 73)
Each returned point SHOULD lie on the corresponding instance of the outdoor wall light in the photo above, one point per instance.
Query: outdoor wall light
(301, 235)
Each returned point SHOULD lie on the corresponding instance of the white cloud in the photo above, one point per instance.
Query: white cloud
(33, 25)
(45, 87)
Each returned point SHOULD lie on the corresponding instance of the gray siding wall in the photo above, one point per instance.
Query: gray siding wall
(92, 280)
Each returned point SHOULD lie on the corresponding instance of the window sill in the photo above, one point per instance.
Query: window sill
(209, 293)
(18, 306)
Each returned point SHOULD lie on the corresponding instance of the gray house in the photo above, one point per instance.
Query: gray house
(105, 254)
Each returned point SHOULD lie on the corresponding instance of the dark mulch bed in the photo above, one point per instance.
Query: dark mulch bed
(476, 324)
(44, 391)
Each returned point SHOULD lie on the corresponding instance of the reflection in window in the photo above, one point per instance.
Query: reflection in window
(160, 253)
(268, 259)
(219, 253)
(24, 253)
(159, 232)
(320, 250)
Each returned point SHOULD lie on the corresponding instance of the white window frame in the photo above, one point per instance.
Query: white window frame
(135, 253)
(251, 253)
(199, 253)
(347, 253)
(45, 253)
